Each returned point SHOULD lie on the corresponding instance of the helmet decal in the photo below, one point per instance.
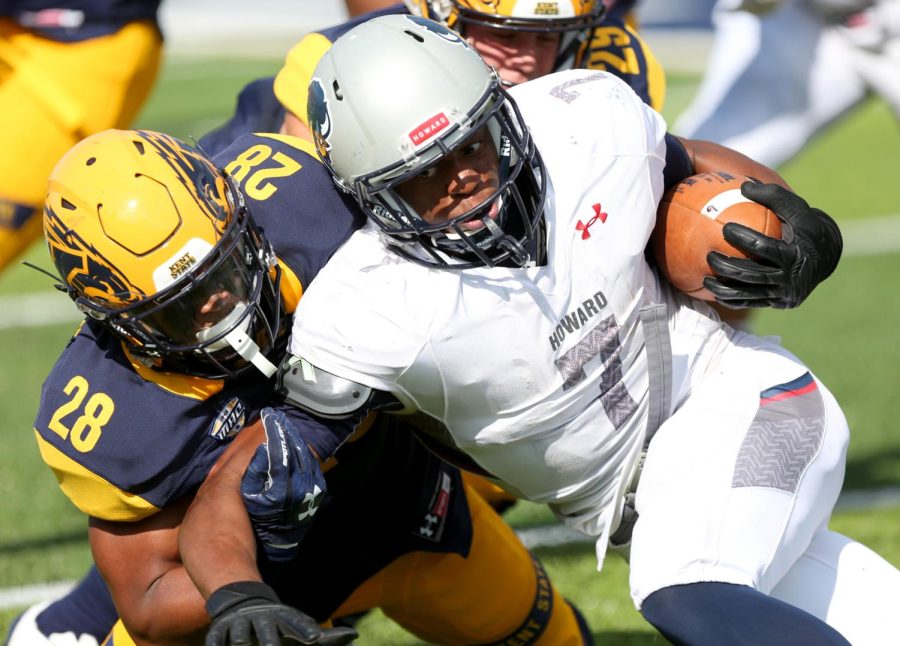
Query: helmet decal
(319, 118)
(182, 262)
(428, 129)
(196, 173)
(231, 419)
(546, 9)
(436, 28)
(83, 268)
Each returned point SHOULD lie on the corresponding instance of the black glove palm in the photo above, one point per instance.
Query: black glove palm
(780, 273)
(248, 612)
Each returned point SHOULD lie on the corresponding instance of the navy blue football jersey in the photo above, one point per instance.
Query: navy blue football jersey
(257, 110)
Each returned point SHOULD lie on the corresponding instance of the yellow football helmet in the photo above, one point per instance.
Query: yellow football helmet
(573, 19)
(152, 240)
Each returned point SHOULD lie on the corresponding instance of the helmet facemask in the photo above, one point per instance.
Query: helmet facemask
(510, 216)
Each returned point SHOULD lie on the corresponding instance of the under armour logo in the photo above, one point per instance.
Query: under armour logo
(430, 521)
(581, 226)
(311, 502)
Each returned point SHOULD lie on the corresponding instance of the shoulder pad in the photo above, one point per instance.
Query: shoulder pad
(320, 392)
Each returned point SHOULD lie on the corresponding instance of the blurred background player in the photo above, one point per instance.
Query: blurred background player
(359, 7)
(782, 70)
(68, 68)
(519, 41)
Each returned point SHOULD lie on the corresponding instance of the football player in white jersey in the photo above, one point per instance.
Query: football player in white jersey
(501, 294)
(812, 60)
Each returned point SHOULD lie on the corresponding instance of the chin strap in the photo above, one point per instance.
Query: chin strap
(249, 351)
(517, 253)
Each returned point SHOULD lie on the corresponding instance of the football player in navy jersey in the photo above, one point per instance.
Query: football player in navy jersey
(70, 68)
(154, 243)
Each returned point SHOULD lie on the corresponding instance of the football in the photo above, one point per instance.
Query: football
(689, 225)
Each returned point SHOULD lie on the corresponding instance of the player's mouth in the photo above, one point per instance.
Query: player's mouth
(477, 224)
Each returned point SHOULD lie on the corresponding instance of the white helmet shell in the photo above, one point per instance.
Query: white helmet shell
(398, 107)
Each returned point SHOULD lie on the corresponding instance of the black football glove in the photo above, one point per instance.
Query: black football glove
(282, 487)
(781, 273)
(248, 613)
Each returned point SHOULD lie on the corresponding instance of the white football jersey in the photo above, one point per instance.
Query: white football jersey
(539, 374)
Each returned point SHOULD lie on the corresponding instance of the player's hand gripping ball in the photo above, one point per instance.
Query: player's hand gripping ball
(689, 225)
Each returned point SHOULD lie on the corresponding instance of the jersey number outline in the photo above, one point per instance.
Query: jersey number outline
(603, 340)
(257, 184)
(85, 432)
(602, 56)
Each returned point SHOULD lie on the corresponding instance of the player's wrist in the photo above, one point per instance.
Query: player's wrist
(239, 593)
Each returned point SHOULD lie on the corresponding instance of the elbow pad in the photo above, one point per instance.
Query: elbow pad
(321, 393)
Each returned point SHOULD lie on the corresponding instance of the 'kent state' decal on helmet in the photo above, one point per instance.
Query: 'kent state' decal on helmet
(319, 118)
(437, 29)
(85, 269)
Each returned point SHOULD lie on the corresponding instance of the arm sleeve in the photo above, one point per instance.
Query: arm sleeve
(678, 162)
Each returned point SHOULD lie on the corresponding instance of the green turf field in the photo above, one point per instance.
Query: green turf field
(847, 332)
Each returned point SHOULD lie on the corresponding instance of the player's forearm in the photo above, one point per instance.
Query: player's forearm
(707, 156)
(216, 540)
(156, 599)
(171, 613)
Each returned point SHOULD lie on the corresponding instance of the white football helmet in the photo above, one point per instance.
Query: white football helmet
(392, 98)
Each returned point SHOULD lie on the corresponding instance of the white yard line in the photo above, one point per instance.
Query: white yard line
(871, 236)
(37, 310)
(27, 595)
